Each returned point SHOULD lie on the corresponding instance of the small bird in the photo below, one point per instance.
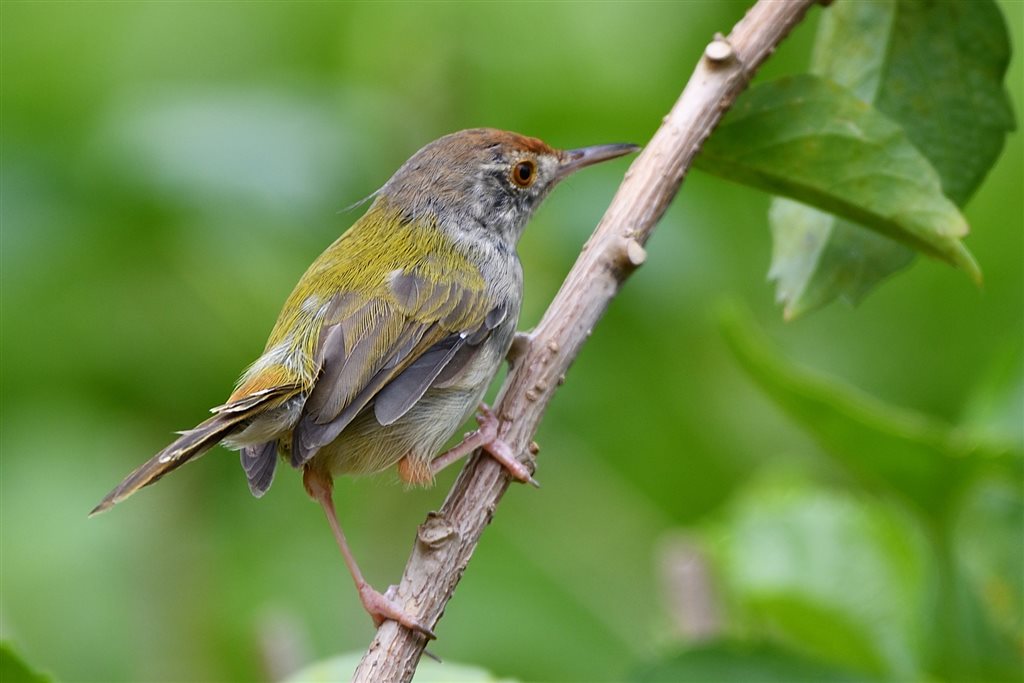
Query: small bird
(391, 337)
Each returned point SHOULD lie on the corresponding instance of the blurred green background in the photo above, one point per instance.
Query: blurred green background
(168, 171)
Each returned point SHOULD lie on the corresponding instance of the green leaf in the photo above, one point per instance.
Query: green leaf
(957, 112)
(967, 645)
(342, 667)
(811, 140)
(13, 668)
(996, 404)
(986, 540)
(935, 467)
(737, 661)
(915, 456)
(817, 257)
(936, 69)
(843, 579)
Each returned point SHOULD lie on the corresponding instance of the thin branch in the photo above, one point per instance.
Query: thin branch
(446, 540)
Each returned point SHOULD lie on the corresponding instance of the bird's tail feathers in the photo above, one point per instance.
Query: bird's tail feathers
(191, 444)
(194, 442)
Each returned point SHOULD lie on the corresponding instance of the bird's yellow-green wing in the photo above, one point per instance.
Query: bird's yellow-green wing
(400, 294)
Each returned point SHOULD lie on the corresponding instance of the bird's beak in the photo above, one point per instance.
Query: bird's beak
(575, 159)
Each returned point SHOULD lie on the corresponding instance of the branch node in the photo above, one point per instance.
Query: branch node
(436, 531)
(635, 253)
(719, 51)
(628, 252)
(521, 344)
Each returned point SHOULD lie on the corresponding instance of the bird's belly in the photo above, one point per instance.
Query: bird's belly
(366, 446)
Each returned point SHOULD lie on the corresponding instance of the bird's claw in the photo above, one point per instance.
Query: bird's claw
(499, 449)
(381, 608)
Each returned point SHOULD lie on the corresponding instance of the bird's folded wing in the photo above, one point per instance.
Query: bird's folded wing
(388, 347)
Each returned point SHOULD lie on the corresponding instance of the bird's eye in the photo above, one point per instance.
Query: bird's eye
(524, 173)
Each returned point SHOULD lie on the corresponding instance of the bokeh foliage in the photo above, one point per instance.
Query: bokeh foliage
(168, 171)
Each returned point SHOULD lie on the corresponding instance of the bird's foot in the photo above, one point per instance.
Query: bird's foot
(380, 608)
(499, 449)
(486, 437)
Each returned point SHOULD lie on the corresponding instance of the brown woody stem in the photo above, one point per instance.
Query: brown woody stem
(446, 540)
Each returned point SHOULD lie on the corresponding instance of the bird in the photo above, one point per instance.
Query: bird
(388, 342)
